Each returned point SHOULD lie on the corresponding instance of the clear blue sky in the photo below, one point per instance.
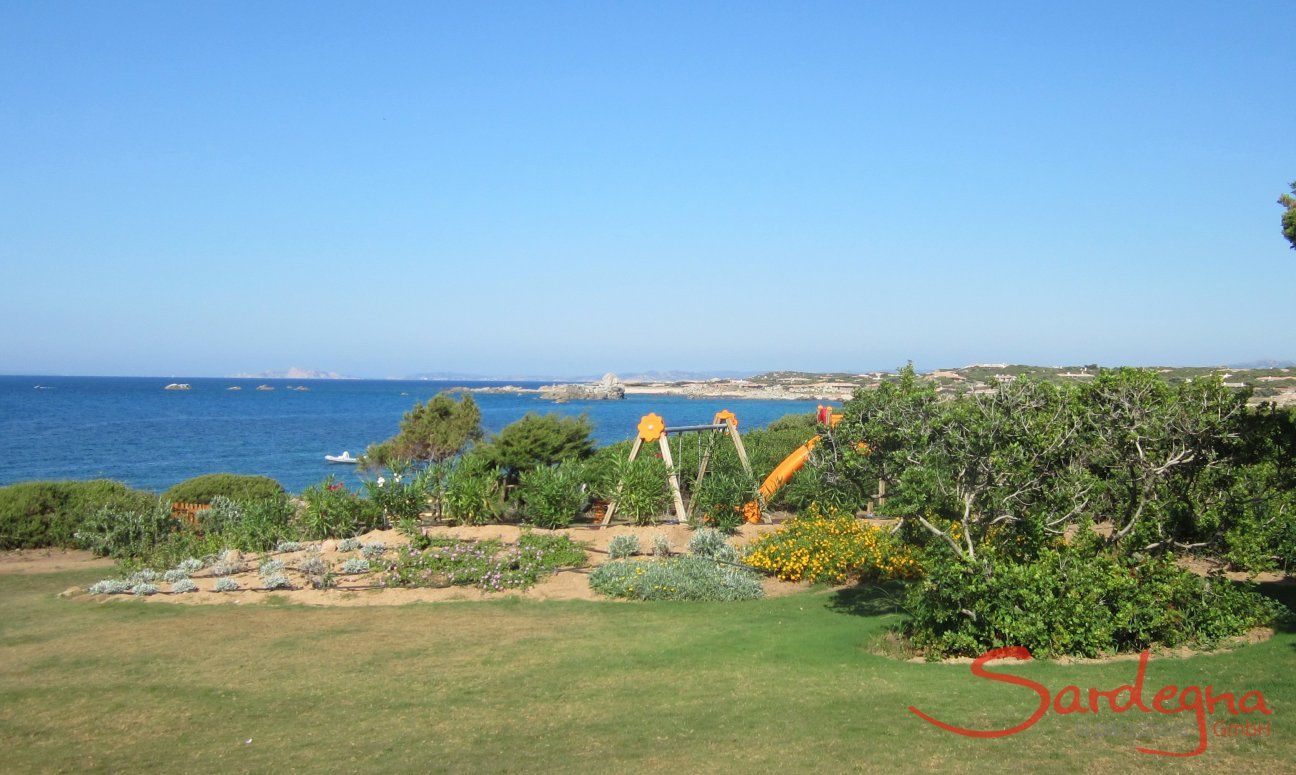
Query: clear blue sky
(383, 188)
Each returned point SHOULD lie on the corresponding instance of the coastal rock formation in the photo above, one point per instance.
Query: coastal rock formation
(607, 389)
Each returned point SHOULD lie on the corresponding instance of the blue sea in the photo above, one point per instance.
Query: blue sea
(130, 429)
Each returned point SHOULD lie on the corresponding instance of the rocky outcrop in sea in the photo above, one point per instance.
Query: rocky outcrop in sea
(607, 389)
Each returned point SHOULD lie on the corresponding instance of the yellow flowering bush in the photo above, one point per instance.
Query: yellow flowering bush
(827, 546)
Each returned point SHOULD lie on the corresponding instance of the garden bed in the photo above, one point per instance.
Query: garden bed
(567, 583)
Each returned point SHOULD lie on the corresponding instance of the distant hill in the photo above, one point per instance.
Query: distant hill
(293, 373)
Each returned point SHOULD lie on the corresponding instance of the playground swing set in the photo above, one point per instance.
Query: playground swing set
(652, 428)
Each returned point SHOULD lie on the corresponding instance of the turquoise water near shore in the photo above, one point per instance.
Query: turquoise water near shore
(129, 428)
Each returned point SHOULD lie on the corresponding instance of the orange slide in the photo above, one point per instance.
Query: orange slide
(784, 470)
(789, 466)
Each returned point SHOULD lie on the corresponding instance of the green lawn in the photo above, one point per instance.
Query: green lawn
(783, 684)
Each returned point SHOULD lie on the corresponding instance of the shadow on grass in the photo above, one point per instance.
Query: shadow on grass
(868, 599)
(1284, 592)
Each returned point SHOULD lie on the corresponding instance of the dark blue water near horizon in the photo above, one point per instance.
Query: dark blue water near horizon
(130, 429)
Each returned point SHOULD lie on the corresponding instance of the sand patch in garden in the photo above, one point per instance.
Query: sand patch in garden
(50, 561)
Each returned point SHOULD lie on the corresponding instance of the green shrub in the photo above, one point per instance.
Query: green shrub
(720, 500)
(1075, 600)
(330, 510)
(472, 494)
(433, 432)
(553, 496)
(251, 525)
(401, 496)
(124, 534)
(236, 487)
(685, 577)
(539, 440)
(41, 514)
(638, 487)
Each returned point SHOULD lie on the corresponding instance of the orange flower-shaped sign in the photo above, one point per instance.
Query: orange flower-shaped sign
(651, 427)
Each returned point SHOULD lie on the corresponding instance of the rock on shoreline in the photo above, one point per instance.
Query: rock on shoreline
(607, 389)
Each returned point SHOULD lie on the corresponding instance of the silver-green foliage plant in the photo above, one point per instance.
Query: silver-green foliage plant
(712, 544)
(184, 585)
(228, 568)
(623, 546)
(144, 576)
(143, 589)
(189, 565)
(290, 546)
(684, 577)
(226, 585)
(174, 575)
(312, 564)
(373, 550)
(348, 544)
(355, 565)
(110, 587)
(661, 545)
(270, 567)
(276, 581)
(707, 542)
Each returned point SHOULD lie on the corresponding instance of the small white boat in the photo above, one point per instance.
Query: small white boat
(345, 457)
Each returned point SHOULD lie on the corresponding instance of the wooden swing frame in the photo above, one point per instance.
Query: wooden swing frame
(653, 428)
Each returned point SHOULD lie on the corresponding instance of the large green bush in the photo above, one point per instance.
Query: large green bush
(41, 514)
(128, 533)
(236, 487)
(472, 491)
(539, 440)
(433, 432)
(330, 510)
(1074, 600)
(638, 487)
(553, 496)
